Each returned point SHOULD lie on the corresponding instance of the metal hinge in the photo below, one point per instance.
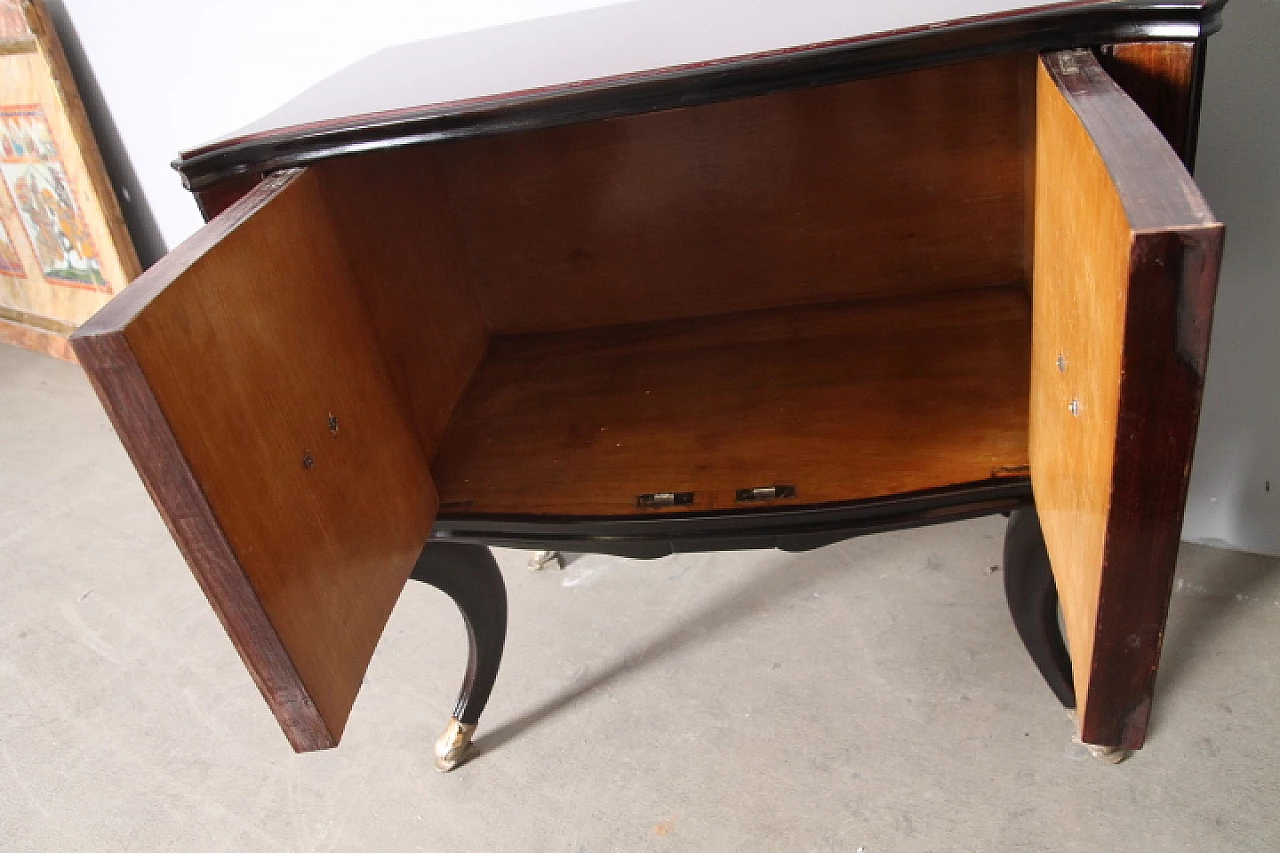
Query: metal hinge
(660, 499)
(766, 493)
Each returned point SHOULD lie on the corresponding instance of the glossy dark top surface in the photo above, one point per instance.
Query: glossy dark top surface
(656, 54)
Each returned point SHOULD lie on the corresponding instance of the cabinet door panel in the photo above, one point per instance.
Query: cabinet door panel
(244, 379)
(1125, 270)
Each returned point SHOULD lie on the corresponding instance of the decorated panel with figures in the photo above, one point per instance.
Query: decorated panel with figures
(64, 250)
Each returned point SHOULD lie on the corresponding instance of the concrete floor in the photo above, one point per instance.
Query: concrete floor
(867, 696)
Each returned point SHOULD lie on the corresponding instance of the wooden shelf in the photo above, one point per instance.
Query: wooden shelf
(843, 401)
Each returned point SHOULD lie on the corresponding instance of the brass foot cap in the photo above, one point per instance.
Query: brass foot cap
(540, 559)
(1109, 754)
(453, 744)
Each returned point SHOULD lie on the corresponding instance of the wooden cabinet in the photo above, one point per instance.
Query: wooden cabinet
(767, 300)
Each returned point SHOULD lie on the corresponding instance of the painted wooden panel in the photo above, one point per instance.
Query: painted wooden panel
(64, 249)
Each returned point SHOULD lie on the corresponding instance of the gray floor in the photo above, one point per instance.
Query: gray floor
(868, 696)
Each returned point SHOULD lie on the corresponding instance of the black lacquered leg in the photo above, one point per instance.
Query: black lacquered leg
(470, 576)
(1033, 602)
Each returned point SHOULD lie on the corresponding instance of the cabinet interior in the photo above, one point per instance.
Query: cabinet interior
(823, 289)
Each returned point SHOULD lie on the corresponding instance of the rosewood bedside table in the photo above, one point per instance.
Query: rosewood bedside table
(788, 273)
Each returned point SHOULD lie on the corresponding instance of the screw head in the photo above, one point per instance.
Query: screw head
(307, 461)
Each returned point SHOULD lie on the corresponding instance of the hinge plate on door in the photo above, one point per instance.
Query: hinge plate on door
(766, 493)
(656, 500)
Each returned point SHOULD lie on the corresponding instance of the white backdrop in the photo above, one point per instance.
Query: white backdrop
(1235, 484)
(176, 73)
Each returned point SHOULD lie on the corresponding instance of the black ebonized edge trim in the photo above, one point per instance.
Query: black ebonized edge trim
(1051, 29)
(791, 528)
(1197, 98)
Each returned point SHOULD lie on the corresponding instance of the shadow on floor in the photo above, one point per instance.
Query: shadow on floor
(764, 591)
(1219, 580)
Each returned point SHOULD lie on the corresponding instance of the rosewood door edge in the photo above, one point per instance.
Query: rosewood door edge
(1166, 79)
(144, 431)
(1160, 400)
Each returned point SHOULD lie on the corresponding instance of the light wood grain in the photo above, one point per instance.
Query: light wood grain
(1125, 266)
(222, 368)
(842, 401)
(410, 267)
(903, 184)
(1080, 292)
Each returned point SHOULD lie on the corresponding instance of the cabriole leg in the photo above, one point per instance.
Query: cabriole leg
(1033, 602)
(470, 576)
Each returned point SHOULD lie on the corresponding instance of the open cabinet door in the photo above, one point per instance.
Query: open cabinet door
(246, 383)
(1126, 266)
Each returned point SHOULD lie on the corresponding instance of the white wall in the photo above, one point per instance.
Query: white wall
(176, 73)
(1238, 168)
